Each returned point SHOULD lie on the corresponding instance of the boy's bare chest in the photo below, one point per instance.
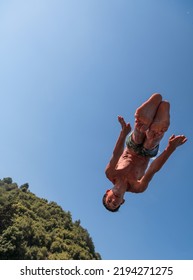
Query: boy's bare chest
(131, 167)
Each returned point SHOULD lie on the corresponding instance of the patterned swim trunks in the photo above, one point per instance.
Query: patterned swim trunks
(139, 149)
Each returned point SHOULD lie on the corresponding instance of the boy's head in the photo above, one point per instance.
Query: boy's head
(111, 201)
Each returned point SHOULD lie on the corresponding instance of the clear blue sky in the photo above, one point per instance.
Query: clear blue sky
(67, 69)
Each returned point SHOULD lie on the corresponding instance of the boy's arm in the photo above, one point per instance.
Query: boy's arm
(156, 165)
(119, 147)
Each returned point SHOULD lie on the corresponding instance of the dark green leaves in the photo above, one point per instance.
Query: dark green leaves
(31, 228)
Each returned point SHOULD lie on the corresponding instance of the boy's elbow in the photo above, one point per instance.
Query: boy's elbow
(141, 190)
(107, 173)
(141, 187)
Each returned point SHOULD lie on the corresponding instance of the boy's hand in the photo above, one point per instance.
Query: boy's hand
(175, 141)
(126, 127)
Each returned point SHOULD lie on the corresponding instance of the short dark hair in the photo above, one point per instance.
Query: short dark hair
(105, 205)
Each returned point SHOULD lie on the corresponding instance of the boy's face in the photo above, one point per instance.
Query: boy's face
(113, 201)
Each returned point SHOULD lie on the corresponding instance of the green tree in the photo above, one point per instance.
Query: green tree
(31, 228)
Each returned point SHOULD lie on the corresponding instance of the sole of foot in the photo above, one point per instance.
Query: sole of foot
(146, 112)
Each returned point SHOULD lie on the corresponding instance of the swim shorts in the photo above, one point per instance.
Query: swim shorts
(139, 149)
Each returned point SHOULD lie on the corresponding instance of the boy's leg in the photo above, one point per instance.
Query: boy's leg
(158, 127)
(144, 116)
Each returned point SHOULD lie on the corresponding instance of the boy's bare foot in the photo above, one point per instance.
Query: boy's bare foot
(161, 121)
(146, 112)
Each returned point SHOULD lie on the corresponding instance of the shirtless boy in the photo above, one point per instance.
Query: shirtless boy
(127, 167)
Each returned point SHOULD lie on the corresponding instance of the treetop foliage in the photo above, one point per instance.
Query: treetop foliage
(32, 228)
